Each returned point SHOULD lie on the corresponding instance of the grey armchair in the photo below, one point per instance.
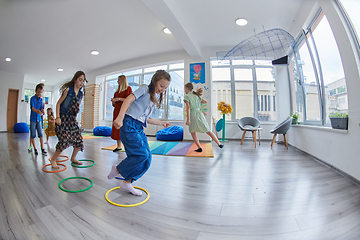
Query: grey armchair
(282, 128)
(249, 124)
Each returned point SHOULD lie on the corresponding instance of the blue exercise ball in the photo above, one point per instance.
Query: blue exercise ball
(21, 127)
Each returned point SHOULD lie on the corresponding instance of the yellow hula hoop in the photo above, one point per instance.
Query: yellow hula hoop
(131, 205)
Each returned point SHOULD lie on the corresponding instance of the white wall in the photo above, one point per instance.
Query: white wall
(335, 147)
(13, 81)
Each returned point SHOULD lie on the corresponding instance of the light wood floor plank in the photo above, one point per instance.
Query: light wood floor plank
(241, 193)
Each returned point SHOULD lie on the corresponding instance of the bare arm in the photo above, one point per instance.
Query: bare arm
(187, 105)
(203, 101)
(158, 122)
(61, 99)
(124, 107)
(35, 110)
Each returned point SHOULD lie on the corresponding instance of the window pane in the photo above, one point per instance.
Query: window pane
(134, 82)
(147, 78)
(244, 99)
(133, 72)
(221, 74)
(175, 94)
(265, 74)
(352, 9)
(221, 92)
(110, 88)
(220, 63)
(243, 74)
(242, 62)
(297, 92)
(311, 88)
(176, 65)
(113, 76)
(263, 62)
(332, 68)
(266, 94)
(154, 69)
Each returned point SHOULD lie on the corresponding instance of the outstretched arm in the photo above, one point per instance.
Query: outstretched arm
(158, 122)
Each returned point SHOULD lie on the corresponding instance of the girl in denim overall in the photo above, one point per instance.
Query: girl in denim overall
(66, 126)
(133, 116)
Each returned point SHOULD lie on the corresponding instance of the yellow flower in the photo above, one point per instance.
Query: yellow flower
(224, 108)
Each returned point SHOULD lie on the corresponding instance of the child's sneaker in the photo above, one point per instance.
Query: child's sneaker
(36, 152)
(43, 152)
(221, 145)
(30, 149)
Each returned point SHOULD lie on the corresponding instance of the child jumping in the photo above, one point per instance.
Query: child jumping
(66, 128)
(37, 109)
(195, 118)
(133, 117)
(50, 130)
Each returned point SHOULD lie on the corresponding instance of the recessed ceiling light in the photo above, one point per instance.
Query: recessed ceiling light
(167, 31)
(8, 59)
(241, 22)
(94, 52)
(43, 80)
(60, 69)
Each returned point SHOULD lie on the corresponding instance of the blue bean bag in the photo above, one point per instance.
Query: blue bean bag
(102, 131)
(21, 127)
(173, 133)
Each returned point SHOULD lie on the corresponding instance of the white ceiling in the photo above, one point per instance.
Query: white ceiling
(43, 35)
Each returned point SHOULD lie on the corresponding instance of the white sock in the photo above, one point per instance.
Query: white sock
(129, 188)
(113, 173)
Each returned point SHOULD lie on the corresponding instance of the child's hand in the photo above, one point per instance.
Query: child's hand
(188, 122)
(118, 123)
(166, 124)
(58, 121)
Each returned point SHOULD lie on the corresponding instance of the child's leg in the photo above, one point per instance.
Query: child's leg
(213, 137)
(39, 131)
(32, 134)
(73, 156)
(196, 140)
(118, 144)
(53, 159)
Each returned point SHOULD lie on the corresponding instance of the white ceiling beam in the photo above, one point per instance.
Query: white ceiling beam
(168, 17)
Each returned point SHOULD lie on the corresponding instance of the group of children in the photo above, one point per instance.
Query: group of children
(129, 121)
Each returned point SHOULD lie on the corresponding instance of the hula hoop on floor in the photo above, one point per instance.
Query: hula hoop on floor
(81, 166)
(131, 205)
(53, 171)
(67, 158)
(75, 191)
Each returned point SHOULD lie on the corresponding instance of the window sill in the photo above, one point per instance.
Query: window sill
(321, 128)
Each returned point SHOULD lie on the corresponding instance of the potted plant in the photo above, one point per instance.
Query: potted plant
(339, 120)
(295, 116)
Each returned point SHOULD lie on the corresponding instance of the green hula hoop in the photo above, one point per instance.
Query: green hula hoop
(81, 166)
(81, 190)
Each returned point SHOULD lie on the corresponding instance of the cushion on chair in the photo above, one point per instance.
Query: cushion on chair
(102, 131)
(173, 133)
(21, 127)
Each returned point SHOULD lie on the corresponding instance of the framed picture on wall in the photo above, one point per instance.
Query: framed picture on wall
(197, 72)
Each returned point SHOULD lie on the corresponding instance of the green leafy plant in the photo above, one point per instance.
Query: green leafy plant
(337, 114)
(295, 116)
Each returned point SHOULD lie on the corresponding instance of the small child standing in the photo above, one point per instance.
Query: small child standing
(37, 109)
(66, 128)
(133, 116)
(50, 130)
(195, 118)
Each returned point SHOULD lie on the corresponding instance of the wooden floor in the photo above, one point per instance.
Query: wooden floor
(241, 193)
